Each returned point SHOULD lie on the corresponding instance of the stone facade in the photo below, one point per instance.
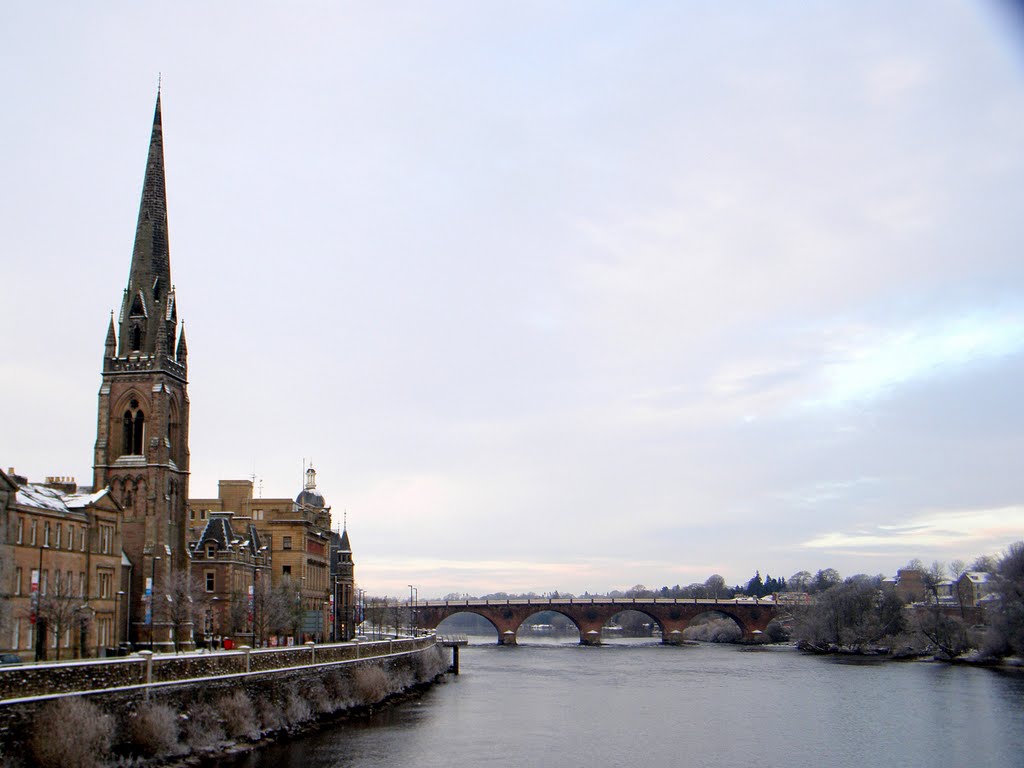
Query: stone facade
(230, 563)
(296, 535)
(62, 568)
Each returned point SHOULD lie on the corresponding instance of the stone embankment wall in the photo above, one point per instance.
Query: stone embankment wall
(282, 689)
(97, 675)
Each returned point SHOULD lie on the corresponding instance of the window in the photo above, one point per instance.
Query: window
(81, 584)
(257, 514)
(59, 535)
(106, 579)
(106, 539)
(210, 581)
(17, 584)
(81, 538)
(286, 542)
(21, 530)
(71, 537)
(286, 570)
(46, 534)
(211, 551)
(42, 583)
(32, 532)
(134, 428)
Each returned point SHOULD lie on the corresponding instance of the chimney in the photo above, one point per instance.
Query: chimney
(62, 484)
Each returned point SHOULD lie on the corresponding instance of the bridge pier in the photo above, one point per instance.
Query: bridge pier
(591, 637)
(508, 637)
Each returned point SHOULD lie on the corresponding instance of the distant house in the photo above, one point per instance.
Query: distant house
(910, 585)
(974, 586)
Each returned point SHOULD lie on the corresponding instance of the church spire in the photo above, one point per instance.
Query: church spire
(182, 353)
(111, 342)
(145, 312)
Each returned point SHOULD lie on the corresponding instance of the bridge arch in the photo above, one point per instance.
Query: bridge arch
(455, 629)
(653, 620)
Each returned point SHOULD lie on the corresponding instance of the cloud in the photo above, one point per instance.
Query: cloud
(974, 530)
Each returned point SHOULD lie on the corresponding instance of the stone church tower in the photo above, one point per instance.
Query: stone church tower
(142, 429)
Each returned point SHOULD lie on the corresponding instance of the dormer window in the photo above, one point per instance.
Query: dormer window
(211, 551)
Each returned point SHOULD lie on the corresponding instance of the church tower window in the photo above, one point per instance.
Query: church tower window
(134, 423)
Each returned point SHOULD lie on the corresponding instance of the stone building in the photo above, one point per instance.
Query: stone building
(974, 586)
(141, 449)
(229, 564)
(296, 534)
(62, 568)
(343, 582)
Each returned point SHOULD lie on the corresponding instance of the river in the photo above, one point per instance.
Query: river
(633, 702)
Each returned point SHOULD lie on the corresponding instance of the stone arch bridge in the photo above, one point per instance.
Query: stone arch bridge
(590, 614)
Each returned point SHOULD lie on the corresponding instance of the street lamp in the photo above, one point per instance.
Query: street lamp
(117, 628)
(152, 601)
(413, 595)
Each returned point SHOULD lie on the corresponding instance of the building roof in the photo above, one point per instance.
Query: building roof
(41, 497)
(978, 577)
(311, 497)
(217, 531)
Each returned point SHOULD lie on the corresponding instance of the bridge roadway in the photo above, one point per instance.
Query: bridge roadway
(590, 614)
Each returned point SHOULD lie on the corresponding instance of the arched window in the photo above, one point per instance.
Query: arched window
(133, 427)
(140, 428)
(135, 338)
(173, 431)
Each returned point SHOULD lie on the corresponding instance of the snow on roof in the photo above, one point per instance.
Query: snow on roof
(41, 497)
(79, 500)
(978, 577)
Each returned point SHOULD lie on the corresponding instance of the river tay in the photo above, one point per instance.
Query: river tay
(636, 702)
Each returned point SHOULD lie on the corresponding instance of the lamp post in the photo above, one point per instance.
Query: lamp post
(117, 624)
(413, 594)
(152, 601)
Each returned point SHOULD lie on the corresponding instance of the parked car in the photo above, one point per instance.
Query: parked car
(10, 658)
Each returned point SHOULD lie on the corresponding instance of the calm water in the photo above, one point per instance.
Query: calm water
(641, 703)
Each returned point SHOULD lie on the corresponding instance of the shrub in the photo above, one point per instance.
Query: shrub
(714, 630)
(270, 714)
(371, 683)
(319, 700)
(296, 709)
(239, 716)
(202, 727)
(339, 688)
(152, 731)
(82, 740)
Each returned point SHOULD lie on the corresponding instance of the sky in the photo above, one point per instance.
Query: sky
(554, 296)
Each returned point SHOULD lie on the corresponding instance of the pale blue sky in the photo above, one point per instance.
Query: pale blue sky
(556, 296)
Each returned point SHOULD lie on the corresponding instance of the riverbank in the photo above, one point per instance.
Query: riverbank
(174, 722)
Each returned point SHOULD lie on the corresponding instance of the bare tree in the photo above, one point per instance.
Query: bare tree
(947, 633)
(185, 599)
(59, 608)
(1006, 635)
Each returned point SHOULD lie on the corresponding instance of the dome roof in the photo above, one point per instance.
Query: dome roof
(311, 497)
